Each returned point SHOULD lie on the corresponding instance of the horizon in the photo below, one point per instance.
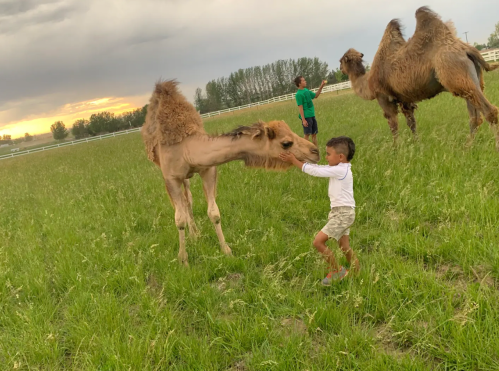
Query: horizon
(55, 71)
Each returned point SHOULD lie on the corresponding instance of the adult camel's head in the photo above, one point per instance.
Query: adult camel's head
(351, 63)
(265, 141)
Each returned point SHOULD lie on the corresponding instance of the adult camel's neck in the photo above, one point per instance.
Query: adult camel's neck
(203, 150)
(360, 85)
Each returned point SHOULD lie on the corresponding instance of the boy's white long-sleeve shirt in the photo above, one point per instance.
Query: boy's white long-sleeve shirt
(340, 181)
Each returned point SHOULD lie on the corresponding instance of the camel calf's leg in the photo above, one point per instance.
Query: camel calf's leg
(390, 110)
(209, 177)
(174, 189)
(193, 229)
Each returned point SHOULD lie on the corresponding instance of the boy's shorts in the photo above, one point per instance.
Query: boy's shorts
(340, 220)
(312, 126)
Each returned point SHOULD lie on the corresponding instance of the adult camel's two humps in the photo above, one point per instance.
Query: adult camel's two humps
(432, 61)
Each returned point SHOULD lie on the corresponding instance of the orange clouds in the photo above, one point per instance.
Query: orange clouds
(69, 113)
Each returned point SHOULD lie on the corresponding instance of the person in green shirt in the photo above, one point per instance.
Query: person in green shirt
(306, 108)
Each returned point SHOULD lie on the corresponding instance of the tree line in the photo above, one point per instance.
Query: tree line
(259, 83)
(100, 123)
(97, 124)
(7, 139)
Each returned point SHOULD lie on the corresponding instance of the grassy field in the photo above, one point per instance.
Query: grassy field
(89, 278)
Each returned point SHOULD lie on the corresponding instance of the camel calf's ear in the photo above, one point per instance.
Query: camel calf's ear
(270, 132)
(257, 134)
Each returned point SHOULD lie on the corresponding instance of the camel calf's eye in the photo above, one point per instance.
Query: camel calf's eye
(286, 145)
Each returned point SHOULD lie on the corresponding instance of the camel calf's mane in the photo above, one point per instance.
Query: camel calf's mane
(255, 129)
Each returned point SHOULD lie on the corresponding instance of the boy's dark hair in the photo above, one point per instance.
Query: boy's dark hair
(343, 145)
(297, 80)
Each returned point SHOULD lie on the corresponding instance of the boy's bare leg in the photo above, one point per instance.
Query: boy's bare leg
(306, 136)
(320, 245)
(314, 139)
(344, 243)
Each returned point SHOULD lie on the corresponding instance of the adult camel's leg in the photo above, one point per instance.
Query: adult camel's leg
(193, 229)
(475, 121)
(390, 110)
(467, 86)
(408, 111)
(174, 189)
(209, 177)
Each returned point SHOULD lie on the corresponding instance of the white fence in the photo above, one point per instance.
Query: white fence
(65, 144)
(491, 55)
(282, 98)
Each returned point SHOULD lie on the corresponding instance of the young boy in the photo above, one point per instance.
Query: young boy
(339, 153)
(306, 108)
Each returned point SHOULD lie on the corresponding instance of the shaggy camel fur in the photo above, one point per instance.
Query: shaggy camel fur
(434, 60)
(175, 140)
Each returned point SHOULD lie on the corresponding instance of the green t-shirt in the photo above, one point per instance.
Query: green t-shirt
(304, 98)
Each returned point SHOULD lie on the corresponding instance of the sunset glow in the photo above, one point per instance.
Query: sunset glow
(69, 113)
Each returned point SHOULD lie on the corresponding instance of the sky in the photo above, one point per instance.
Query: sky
(66, 59)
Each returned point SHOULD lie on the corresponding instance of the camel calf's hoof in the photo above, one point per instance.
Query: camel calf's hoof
(182, 259)
(226, 250)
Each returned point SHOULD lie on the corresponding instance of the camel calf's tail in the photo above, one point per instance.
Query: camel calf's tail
(477, 59)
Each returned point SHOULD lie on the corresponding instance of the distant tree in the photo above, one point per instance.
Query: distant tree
(7, 137)
(28, 137)
(133, 119)
(80, 128)
(102, 122)
(494, 37)
(18, 140)
(59, 131)
(480, 46)
(340, 76)
(200, 101)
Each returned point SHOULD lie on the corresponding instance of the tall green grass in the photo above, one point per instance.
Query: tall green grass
(89, 278)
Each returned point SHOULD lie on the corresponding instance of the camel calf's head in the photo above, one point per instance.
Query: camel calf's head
(282, 138)
(270, 139)
(351, 63)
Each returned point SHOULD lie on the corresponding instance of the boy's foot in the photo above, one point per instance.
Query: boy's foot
(335, 276)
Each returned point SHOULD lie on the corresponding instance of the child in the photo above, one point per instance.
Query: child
(339, 153)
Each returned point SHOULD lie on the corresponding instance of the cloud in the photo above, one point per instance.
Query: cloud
(65, 52)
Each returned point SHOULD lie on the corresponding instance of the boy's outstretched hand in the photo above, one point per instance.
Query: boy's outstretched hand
(289, 157)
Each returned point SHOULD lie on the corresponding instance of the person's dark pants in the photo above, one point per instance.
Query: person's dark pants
(312, 128)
